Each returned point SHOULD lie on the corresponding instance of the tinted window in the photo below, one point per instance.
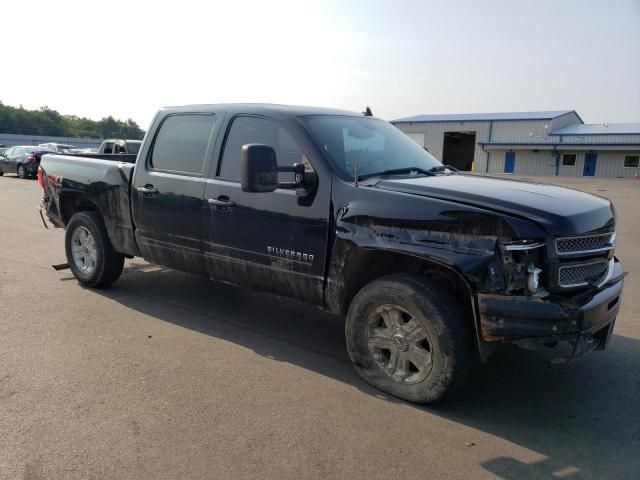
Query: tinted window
(181, 143)
(259, 130)
(371, 144)
(108, 147)
(133, 147)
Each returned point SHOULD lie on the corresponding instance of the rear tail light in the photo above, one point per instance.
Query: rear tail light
(40, 180)
(31, 159)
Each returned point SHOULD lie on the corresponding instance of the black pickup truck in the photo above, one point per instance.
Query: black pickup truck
(432, 268)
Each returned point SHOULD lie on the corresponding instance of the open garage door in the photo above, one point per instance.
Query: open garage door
(459, 149)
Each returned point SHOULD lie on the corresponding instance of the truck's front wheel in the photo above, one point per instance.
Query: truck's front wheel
(90, 254)
(408, 337)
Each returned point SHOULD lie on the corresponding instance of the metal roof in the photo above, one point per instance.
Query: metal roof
(599, 129)
(468, 117)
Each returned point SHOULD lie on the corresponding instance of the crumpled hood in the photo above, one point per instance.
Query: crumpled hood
(560, 211)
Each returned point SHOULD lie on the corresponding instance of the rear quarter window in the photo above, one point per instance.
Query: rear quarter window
(181, 143)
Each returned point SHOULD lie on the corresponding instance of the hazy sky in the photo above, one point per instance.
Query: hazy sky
(127, 58)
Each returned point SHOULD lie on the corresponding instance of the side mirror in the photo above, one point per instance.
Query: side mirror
(259, 172)
(258, 168)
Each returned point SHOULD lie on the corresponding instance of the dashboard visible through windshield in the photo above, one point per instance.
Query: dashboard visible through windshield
(369, 146)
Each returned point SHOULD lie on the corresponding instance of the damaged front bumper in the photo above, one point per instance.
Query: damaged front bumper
(585, 320)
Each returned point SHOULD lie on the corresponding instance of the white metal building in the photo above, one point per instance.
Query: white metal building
(528, 143)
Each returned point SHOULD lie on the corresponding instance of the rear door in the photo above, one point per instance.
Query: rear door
(270, 241)
(168, 190)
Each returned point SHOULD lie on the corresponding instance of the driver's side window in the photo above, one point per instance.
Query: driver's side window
(259, 130)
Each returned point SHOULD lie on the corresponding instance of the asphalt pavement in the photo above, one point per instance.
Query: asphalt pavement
(171, 376)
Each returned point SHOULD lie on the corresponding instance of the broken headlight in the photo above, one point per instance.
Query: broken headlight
(522, 262)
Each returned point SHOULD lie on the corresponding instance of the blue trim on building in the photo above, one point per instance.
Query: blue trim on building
(552, 134)
(559, 144)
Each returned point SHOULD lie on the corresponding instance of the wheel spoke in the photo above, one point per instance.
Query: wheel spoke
(420, 358)
(380, 343)
(411, 325)
(392, 318)
(401, 370)
(417, 334)
(393, 361)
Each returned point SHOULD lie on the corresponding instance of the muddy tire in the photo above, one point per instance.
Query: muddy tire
(409, 338)
(90, 255)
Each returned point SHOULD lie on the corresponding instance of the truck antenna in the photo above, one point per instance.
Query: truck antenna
(367, 112)
(355, 173)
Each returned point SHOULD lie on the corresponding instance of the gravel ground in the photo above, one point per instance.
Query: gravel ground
(168, 375)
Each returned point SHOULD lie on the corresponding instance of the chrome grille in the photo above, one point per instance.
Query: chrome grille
(582, 274)
(585, 244)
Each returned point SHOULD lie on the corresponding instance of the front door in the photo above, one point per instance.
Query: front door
(509, 162)
(589, 169)
(270, 241)
(167, 197)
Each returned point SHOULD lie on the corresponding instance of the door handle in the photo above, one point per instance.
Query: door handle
(147, 190)
(221, 202)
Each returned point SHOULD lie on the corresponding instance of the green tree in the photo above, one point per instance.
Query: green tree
(46, 121)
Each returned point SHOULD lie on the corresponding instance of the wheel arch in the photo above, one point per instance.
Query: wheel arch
(361, 266)
(72, 203)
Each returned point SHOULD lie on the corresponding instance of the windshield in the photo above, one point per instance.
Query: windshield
(133, 147)
(375, 145)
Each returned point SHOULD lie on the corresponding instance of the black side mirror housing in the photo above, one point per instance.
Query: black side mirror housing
(259, 172)
(258, 168)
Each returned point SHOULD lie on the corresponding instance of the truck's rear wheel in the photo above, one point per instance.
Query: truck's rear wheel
(90, 254)
(408, 338)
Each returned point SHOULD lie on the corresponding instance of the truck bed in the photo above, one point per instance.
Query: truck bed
(114, 157)
(100, 184)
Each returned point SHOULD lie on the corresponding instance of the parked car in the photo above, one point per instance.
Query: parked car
(119, 146)
(431, 267)
(22, 160)
(59, 147)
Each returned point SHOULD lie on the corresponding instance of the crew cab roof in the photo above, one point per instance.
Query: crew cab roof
(261, 108)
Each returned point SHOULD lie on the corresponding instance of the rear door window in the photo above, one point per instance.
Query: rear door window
(181, 143)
